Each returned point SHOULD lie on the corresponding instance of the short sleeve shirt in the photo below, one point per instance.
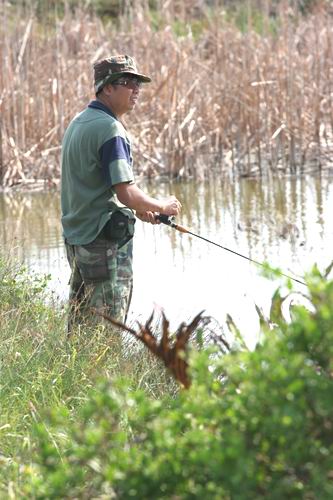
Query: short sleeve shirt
(96, 155)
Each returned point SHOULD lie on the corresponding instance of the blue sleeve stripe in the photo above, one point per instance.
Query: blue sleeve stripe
(115, 149)
(112, 150)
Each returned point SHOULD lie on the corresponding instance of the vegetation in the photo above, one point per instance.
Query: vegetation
(246, 91)
(242, 91)
(91, 418)
(41, 370)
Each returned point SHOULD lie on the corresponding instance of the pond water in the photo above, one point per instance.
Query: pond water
(287, 222)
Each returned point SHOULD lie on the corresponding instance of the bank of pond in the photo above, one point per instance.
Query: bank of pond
(93, 416)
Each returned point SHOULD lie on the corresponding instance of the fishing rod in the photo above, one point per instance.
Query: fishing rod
(170, 221)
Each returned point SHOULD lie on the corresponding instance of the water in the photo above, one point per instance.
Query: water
(287, 222)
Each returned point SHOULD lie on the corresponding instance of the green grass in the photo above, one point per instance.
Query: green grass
(40, 369)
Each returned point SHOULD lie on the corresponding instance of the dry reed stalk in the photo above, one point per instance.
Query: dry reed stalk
(1, 154)
(242, 103)
(172, 351)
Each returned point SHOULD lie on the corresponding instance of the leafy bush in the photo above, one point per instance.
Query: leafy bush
(253, 424)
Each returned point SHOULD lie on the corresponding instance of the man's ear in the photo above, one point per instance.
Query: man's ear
(108, 89)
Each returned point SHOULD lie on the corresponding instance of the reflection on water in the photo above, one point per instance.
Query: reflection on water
(286, 222)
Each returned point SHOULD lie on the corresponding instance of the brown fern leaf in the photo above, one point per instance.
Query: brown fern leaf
(171, 352)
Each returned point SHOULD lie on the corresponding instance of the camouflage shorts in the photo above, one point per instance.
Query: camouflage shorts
(101, 278)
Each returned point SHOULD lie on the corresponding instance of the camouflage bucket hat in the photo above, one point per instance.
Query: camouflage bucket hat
(108, 70)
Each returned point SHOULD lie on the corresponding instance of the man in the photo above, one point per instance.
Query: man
(96, 179)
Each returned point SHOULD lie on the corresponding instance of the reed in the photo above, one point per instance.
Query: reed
(224, 100)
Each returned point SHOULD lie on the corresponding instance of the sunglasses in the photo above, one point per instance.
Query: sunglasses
(129, 82)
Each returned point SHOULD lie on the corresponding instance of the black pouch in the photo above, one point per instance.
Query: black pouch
(120, 227)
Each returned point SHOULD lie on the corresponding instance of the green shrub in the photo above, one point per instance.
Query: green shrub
(253, 424)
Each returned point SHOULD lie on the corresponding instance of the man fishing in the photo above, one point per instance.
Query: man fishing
(99, 195)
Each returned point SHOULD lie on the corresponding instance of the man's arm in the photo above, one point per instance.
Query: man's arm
(133, 197)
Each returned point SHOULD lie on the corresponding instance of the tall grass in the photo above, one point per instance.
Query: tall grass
(41, 370)
(242, 102)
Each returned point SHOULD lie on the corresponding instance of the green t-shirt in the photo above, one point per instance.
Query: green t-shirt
(96, 155)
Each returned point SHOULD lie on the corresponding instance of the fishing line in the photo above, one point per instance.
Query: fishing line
(169, 221)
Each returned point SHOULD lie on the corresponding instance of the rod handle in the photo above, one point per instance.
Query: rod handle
(165, 219)
(179, 228)
(169, 220)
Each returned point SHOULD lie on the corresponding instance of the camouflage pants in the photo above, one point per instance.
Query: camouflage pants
(101, 278)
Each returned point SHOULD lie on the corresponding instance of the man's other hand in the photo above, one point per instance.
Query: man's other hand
(147, 217)
(171, 206)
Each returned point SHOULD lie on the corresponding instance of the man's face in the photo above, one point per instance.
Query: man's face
(123, 94)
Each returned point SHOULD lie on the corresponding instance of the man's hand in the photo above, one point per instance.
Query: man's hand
(170, 206)
(147, 217)
(133, 197)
